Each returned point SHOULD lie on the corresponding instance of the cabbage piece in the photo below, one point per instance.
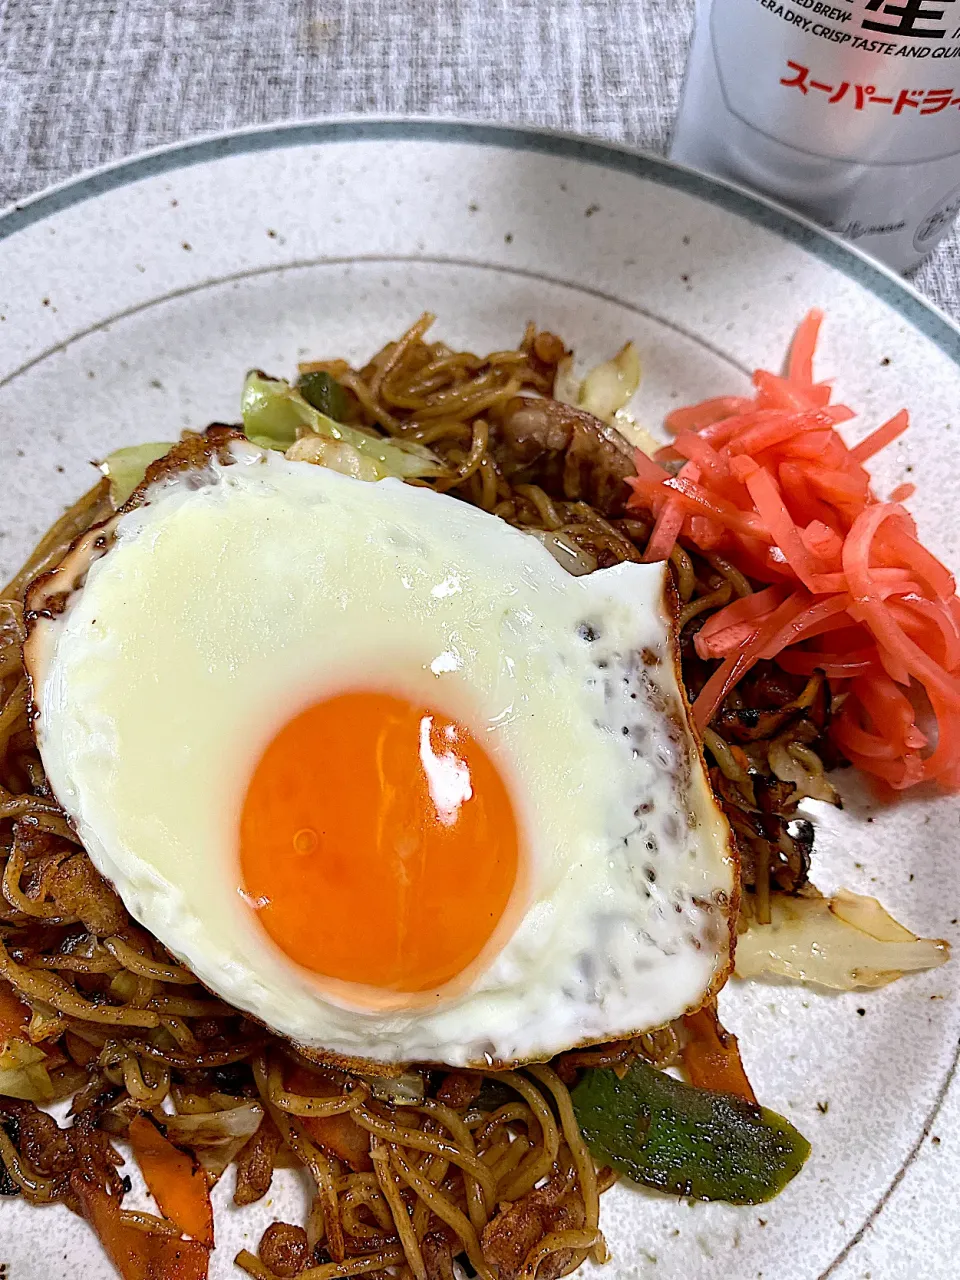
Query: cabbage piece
(321, 390)
(275, 416)
(215, 1137)
(335, 455)
(408, 1089)
(16, 1053)
(213, 1128)
(22, 1072)
(795, 762)
(608, 387)
(604, 392)
(31, 1084)
(125, 468)
(844, 942)
(636, 435)
(566, 384)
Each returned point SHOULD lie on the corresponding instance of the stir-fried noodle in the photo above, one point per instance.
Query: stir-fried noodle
(408, 1174)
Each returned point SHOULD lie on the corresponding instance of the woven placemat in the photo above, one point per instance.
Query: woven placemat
(86, 81)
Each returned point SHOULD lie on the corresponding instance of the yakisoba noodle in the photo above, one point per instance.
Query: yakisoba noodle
(126, 1028)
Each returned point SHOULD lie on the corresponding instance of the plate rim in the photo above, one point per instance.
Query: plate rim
(864, 271)
(759, 210)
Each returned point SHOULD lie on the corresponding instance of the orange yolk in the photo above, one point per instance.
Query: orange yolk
(378, 843)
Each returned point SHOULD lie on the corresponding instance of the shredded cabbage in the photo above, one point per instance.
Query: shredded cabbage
(844, 942)
(566, 384)
(212, 1128)
(335, 455)
(276, 416)
(794, 762)
(407, 1089)
(215, 1137)
(610, 386)
(635, 435)
(31, 1084)
(125, 468)
(22, 1072)
(604, 392)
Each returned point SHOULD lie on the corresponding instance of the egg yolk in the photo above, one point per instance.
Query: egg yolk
(378, 842)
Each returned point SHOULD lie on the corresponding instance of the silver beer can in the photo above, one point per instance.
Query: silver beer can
(847, 110)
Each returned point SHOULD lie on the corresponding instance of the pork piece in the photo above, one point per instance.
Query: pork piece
(568, 452)
(80, 891)
(519, 1227)
(460, 1089)
(255, 1164)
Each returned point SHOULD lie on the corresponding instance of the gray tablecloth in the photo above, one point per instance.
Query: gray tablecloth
(85, 81)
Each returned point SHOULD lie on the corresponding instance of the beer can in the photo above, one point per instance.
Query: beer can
(847, 110)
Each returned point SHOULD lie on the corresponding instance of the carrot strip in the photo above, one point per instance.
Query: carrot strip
(175, 1180)
(870, 752)
(338, 1135)
(854, 737)
(915, 660)
(745, 611)
(779, 393)
(706, 533)
(689, 445)
(834, 485)
(647, 469)
(805, 507)
(823, 542)
(712, 1057)
(769, 434)
(814, 620)
(137, 1255)
(700, 499)
(942, 763)
(890, 710)
(870, 608)
(809, 444)
(719, 433)
(742, 467)
(900, 542)
(14, 1014)
(727, 641)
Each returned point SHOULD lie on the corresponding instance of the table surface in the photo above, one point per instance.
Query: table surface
(87, 81)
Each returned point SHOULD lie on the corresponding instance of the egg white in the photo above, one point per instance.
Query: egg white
(242, 592)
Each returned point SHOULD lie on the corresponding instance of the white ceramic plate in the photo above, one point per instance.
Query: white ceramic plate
(133, 300)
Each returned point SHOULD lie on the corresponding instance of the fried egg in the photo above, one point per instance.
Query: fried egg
(378, 769)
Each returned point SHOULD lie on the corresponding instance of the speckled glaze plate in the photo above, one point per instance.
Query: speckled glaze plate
(133, 300)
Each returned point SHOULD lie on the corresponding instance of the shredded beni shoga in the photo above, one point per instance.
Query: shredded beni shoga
(850, 590)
